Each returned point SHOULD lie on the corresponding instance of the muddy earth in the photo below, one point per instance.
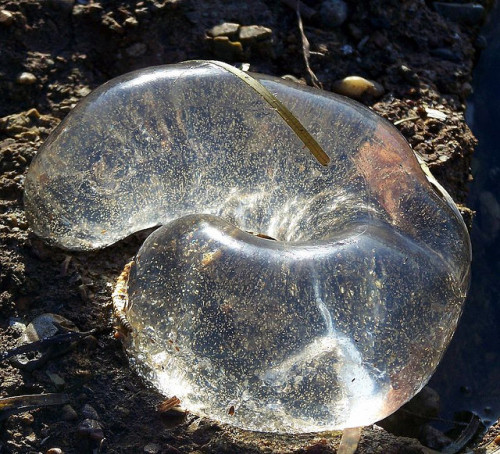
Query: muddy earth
(54, 52)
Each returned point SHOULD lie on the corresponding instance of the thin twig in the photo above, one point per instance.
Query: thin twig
(398, 122)
(70, 336)
(306, 49)
(18, 404)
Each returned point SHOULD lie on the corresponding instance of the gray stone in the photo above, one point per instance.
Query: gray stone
(152, 448)
(92, 429)
(6, 18)
(43, 327)
(56, 379)
(68, 413)
(254, 33)
(229, 29)
(89, 412)
(17, 325)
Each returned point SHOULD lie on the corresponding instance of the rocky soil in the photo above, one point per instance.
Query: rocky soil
(419, 56)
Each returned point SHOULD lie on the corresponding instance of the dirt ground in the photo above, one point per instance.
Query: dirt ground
(54, 52)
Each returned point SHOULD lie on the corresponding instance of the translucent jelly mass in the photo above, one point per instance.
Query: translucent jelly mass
(335, 324)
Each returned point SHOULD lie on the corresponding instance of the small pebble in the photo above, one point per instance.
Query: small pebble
(226, 29)
(17, 325)
(152, 448)
(254, 33)
(466, 89)
(68, 413)
(347, 49)
(56, 379)
(54, 451)
(27, 419)
(84, 91)
(111, 23)
(42, 327)
(6, 18)
(131, 22)
(26, 78)
(92, 429)
(497, 440)
(355, 87)
(142, 13)
(12, 220)
(33, 113)
(225, 49)
(408, 74)
(89, 412)
(333, 13)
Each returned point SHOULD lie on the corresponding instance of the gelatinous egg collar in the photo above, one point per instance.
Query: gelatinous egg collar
(338, 322)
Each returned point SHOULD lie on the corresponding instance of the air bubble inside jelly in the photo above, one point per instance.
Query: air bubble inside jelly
(336, 322)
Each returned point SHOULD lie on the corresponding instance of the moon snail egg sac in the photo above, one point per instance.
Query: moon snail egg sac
(335, 324)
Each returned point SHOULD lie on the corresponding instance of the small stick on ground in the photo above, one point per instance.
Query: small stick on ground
(306, 49)
(18, 404)
(70, 336)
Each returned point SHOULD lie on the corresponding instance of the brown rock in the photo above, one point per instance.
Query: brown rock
(6, 18)
(54, 451)
(26, 78)
(225, 49)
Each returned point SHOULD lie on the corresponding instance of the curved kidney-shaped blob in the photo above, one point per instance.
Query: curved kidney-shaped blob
(338, 322)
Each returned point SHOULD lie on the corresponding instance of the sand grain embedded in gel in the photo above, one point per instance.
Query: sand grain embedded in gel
(338, 322)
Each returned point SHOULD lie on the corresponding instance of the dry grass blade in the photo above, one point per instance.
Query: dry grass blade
(283, 111)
